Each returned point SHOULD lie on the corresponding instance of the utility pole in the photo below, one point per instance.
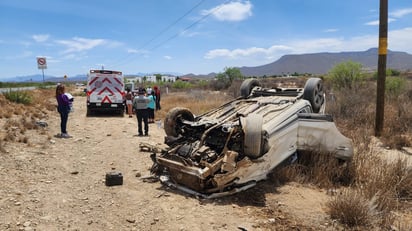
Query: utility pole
(382, 52)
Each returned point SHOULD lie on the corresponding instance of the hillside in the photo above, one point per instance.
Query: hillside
(321, 63)
(316, 63)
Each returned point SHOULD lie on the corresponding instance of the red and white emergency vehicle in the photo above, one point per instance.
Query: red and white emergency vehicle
(105, 91)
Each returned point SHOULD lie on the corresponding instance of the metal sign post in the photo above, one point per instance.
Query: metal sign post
(42, 64)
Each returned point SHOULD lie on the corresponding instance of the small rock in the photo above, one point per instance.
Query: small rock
(74, 172)
(272, 220)
(138, 174)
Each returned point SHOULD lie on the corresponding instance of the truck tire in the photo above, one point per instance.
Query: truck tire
(173, 118)
(89, 112)
(247, 86)
(314, 93)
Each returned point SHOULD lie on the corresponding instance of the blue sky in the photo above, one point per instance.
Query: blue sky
(186, 36)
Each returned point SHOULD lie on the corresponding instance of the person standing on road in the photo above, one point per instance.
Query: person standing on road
(151, 106)
(63, 107)
(140, 103)
(129, 102)
(157, 95)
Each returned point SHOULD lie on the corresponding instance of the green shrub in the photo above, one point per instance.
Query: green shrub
(345, 75)
(181, 85)
(22, 97)
(395, 86)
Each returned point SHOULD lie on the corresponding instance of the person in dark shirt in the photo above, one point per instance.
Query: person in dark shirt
(63, 107)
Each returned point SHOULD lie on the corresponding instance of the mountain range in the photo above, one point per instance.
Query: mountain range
(315, 63)
(321, 63)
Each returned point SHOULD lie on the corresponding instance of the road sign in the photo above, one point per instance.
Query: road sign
(41, 63)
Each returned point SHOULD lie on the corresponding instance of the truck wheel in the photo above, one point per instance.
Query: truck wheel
(314, 93)
(252, 129)
(247, 86)
(173, 120)
(89, 112)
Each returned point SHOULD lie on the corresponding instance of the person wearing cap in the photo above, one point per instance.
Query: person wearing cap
(140, 103)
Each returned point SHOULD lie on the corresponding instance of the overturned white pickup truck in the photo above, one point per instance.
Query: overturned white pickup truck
(230, 148)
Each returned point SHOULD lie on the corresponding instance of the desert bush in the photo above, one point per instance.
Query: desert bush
(233, 90)
(404, 186)
(217, 85)
(345, 75)
(351, 107)
(351, 208)
(22, 97)
(377, 182)
(181, 85)
(321, 169)
(395, 86)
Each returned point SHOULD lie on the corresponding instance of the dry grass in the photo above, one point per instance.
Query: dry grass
(351, 208)
(321, 169)
(385, 184)
(19, 118)
(197, 101)
(370, 190)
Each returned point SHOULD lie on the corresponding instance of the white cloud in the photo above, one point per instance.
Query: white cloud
(40, 37)
(400, 40)
(240, 53)
(80, 44)
(167, 57)
(376, 22)
(139, 52)
(295, 47)
(331, 30)
(400, 13)
(186, 33)
(233, 11)
(132, 51)
(25, 54)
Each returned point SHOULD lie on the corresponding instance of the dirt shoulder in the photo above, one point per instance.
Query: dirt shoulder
(58, 184)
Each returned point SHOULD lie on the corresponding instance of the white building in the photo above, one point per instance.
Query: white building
(149, 78)
(167, 78)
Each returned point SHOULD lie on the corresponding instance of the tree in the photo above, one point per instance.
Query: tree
(228, 76)
(346, 74)
(158, 77)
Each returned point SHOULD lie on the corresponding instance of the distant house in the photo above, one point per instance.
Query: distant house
(168, 78)
(185, 79)
(133, 79)
(149, 79)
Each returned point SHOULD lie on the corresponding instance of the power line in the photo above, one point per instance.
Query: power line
(174, 23)
(188, 27)
(126, 59)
